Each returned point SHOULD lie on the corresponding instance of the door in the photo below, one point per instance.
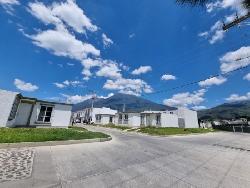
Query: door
(110, 119)
(23, 114)
(148, 120)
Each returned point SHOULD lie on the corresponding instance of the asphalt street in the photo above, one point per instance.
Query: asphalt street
(131, 160)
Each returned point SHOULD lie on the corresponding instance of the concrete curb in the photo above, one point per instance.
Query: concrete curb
(52, 143)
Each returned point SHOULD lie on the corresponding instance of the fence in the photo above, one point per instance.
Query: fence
(233, 128)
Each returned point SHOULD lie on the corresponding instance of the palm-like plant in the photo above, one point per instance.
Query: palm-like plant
(246, 3)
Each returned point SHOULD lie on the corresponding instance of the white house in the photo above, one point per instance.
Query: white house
(182, 118)
(159, 119)
(101, 116)
(129, 119)
(17, 110)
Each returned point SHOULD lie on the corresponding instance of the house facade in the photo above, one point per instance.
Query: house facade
(128, 119)
(159, 119)
(100, 116)
(19, 111)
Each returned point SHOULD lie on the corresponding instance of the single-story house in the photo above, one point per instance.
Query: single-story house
(159, 119)
(20, 111)
(129, 119)
(181, 117)
(100, 116)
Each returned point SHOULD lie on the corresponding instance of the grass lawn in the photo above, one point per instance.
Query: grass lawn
(14, 135)
(172, 131)
(116, 126)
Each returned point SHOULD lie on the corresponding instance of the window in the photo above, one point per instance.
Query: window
(14, 109)
(98, 118)
(171, 112)
(45, 114)
(126, 117)
(120, 116)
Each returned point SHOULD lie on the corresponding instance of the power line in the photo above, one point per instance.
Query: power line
(225, 74)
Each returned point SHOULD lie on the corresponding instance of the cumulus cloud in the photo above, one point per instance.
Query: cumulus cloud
(215, 33)
(128, 86)
(24, 86)
(235, 59)
(197, 108)
(186, 99)
(142, 70)
(237, 98)
(67, 83)
(247, 77)
(64, 12)
(168, 77)
(61, 43)
(213, 81)
(73, 99)
(109, 69)
(9, 2)
(106, 41)
(235, 5)
(106, 68)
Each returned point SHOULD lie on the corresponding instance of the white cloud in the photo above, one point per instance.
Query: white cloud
(215, 33)
(142, 70)
(235, 59)
(247, 77)
(67, 83)
(235, 5)
(213, 81)
(236, 97)
(109, 69)
(73, 99)
(168, 77)
(61, 43)
(186, 99)
(23, 86)
(106, 41)
(197, 108)
(9, 2)
(70, 64)
(128, 86)
(65, 12)
(106, 68)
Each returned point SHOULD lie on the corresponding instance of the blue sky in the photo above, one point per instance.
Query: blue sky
(64, 50)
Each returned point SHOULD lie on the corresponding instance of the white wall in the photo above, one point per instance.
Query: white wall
(190, 117)
(7, 99)
(169, 120)
(134, 120)
(61, 115)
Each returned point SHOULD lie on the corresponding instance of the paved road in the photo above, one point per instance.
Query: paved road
(131, 160)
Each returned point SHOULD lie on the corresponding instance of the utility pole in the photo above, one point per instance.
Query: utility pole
(236, 21)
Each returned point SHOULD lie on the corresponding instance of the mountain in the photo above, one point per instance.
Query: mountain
(227, 111)
(132, 103)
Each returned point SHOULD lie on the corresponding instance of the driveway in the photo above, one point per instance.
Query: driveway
(131, 160)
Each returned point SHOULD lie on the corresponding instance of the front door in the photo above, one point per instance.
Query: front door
(148, 120)
(110, 119)
(23, 113)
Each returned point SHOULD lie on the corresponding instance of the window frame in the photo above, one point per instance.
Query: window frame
(45, 112)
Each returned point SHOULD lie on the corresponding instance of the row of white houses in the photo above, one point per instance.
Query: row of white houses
(19, 111)
(181, 117)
